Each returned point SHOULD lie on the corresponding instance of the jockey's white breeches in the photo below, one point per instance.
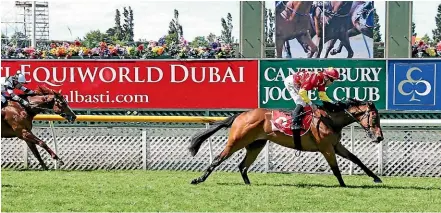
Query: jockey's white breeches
(293, 91)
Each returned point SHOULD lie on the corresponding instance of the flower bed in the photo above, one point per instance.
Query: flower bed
(150, 50)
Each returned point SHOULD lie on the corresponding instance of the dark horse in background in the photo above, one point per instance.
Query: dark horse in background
(341, 20)
(316, 21)
(336, 23)
(362, 18)
(293, 22)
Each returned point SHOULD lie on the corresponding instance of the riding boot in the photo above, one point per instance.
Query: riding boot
(296, 125)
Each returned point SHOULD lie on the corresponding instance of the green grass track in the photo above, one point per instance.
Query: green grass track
(148, 191)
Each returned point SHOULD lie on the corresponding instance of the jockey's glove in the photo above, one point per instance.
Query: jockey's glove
(15, 97)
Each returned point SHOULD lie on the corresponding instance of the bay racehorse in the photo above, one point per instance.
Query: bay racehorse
(17, 121)
(293, 22)
(322, 131)
(316, 13)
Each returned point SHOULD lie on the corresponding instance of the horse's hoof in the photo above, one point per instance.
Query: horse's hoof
(194, 181)
(333, 52)
(60, 162)
(377, 180)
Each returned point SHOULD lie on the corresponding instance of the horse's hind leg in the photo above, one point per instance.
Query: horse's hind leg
(329, 153)
(253, 151)
(342, 151)
(238, 138)
(29, 137)
(34, 150)
(225, 154)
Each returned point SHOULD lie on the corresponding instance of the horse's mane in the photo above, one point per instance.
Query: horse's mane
(42, 90)
(352, 102)
(335, 108)
(341, 106)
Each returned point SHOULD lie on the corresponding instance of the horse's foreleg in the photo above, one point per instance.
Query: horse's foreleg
(307, 39)
(304, 46)
(37, 155)
(342, 151)
(253, 151)
(352, 32)
(345, 41)
(320, 47)
(328, 152)
(288, 49)
(338, 50)
(29, 137)
(330, 46)
(279, 47)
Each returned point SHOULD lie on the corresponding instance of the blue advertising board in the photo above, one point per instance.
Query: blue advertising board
(414, 85)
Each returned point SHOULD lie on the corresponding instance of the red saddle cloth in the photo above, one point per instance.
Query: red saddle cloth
(281, 121)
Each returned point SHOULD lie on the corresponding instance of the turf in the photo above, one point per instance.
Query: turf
(134, 191)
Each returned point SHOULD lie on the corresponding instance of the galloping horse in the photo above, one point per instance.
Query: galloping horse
(317, 28)
(337, 22)
(293, 21)
(359, 9)
(17, 122)
(322, 131)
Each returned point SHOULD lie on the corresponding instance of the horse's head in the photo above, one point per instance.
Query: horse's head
(366, 114)
(62, 108)
(60, 105)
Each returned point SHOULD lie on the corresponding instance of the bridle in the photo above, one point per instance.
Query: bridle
(366, 115)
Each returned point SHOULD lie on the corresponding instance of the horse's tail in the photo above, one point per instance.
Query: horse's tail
(198, 139)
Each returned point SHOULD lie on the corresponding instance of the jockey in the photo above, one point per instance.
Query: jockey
(298, 85)
(10, 83)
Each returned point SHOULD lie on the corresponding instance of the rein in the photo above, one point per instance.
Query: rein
(366, 129)
(331, 13)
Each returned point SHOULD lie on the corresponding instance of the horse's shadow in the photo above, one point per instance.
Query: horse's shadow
(319, 185)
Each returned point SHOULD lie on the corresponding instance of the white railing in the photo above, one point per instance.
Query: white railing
(406, 150)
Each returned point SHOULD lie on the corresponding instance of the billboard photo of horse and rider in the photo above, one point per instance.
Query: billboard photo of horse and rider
(324, 29)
